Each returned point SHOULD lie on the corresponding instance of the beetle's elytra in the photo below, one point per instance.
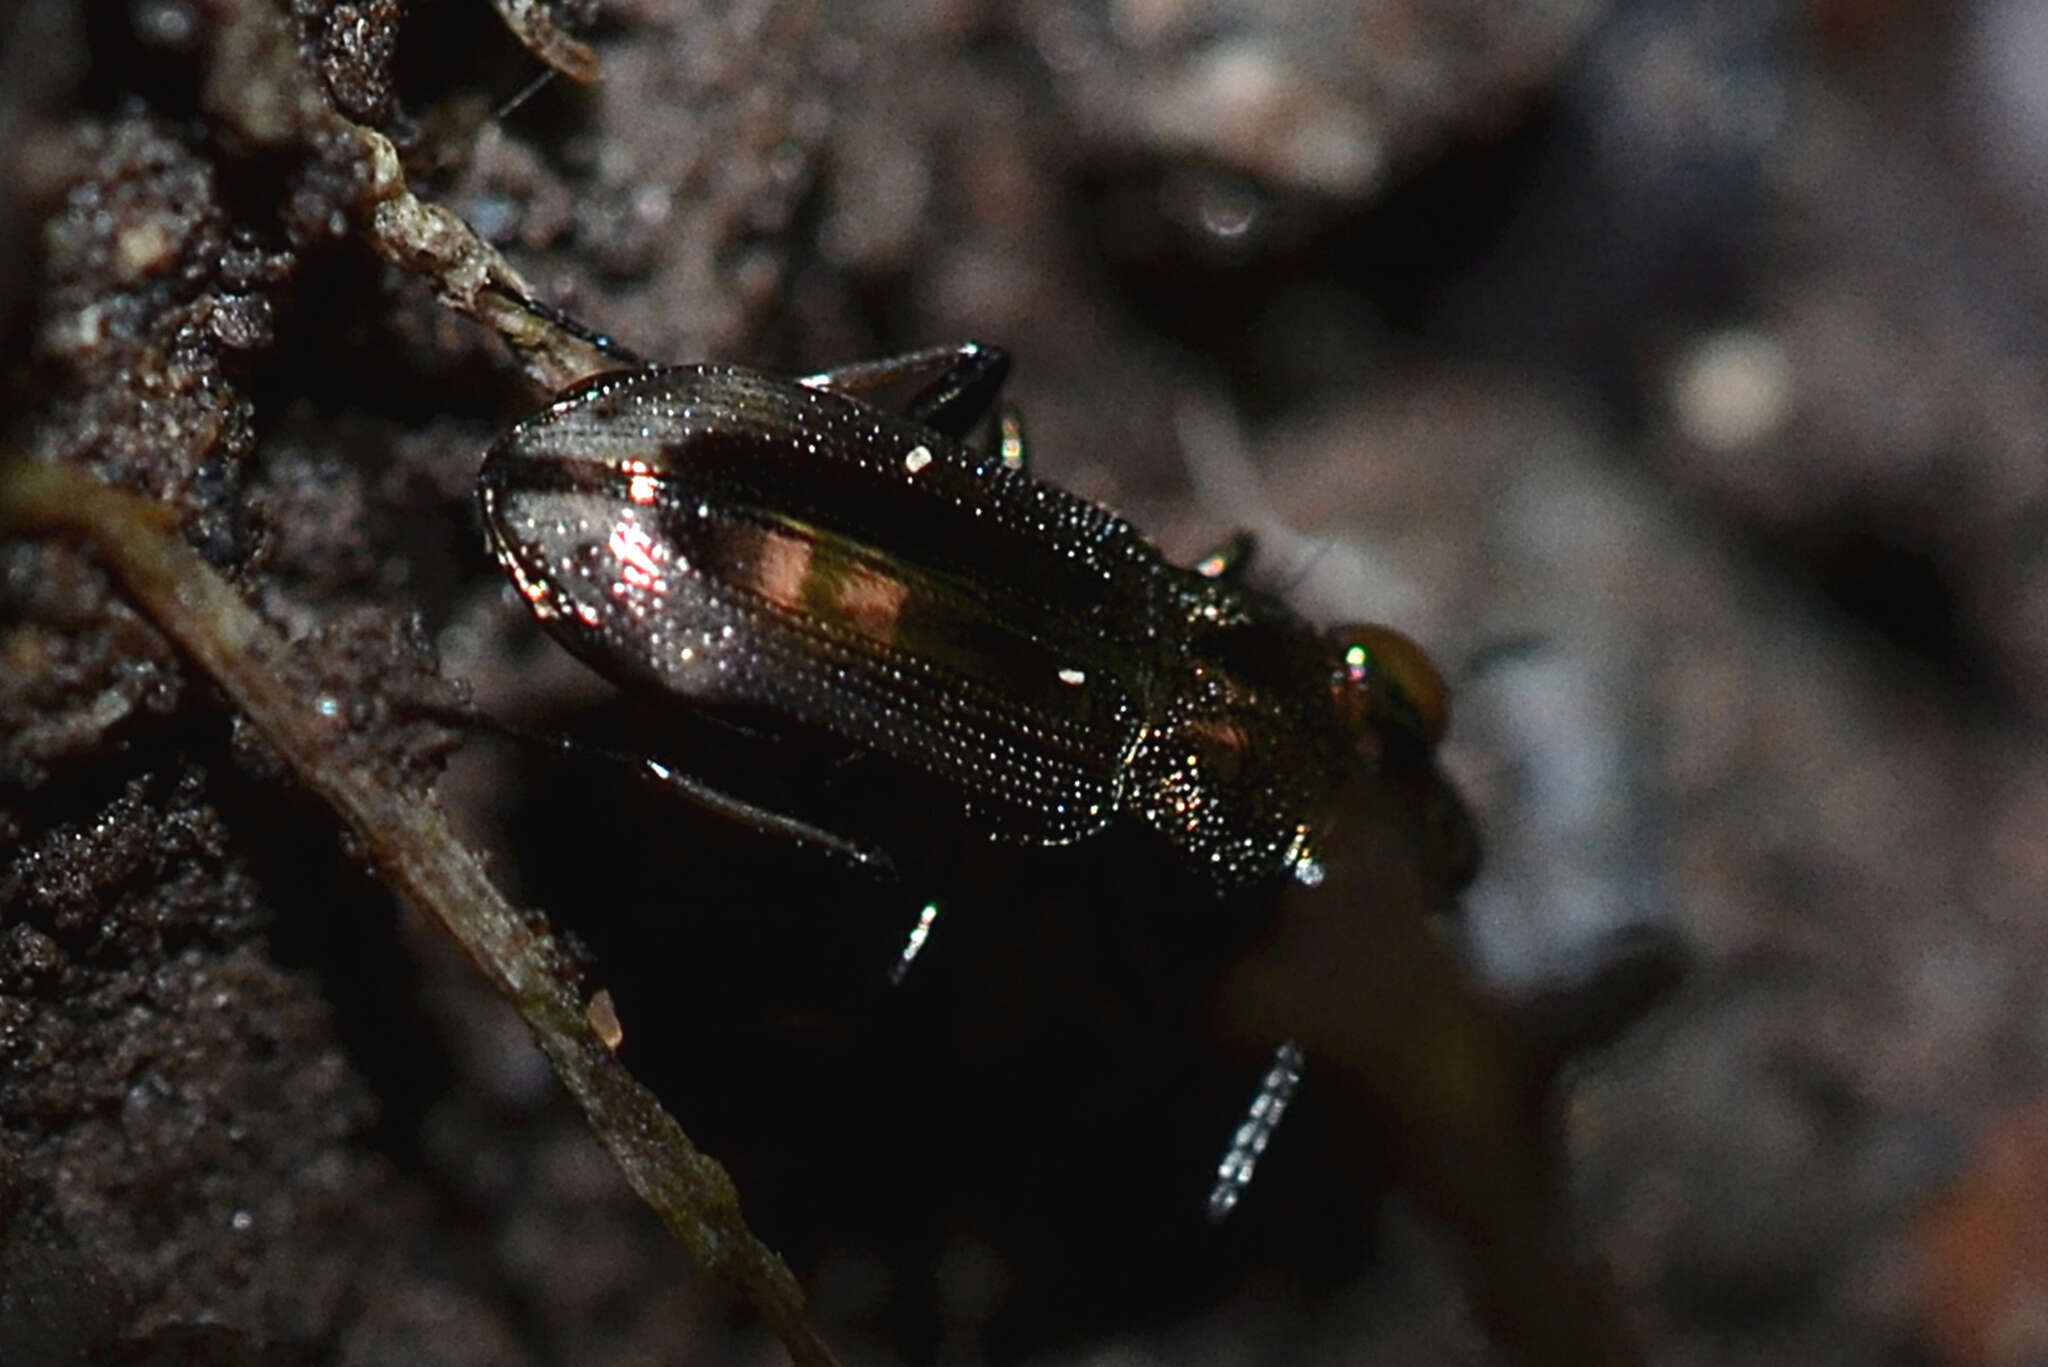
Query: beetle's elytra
(784, 551)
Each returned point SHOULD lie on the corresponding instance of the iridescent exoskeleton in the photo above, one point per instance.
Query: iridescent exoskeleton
(786, 551)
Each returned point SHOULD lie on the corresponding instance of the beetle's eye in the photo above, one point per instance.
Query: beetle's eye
(1389, 680)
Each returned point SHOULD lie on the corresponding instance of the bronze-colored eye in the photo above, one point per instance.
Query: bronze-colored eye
(1394, 681)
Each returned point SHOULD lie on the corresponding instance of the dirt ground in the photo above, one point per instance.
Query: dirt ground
(1673, 371)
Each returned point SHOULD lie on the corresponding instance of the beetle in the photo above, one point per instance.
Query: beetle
(785, 551)
(731, 542)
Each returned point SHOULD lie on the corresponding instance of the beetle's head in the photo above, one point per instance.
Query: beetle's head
(1392, 703)
(1387, 685)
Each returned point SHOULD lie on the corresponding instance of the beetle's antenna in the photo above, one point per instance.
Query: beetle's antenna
(1502, 653)
(555, 318)
(1328, 578)
(1255, 1131)
(526, 92)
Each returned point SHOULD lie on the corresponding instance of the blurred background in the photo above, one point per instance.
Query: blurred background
(1673, 371)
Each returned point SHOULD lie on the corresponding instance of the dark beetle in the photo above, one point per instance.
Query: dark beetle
(783, 550)
(785, 553)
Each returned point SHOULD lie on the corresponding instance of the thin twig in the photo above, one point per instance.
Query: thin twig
(408, 841)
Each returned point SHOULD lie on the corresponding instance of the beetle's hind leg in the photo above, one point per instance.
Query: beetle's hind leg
(967, 377)
(858, 854)
(870, 859)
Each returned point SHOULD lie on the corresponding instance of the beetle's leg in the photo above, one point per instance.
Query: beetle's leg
(961, 397)
(1229, 561)
(868, 858)
(555, 318)
(862, 377)
(952, 403)
(1255, 1131)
